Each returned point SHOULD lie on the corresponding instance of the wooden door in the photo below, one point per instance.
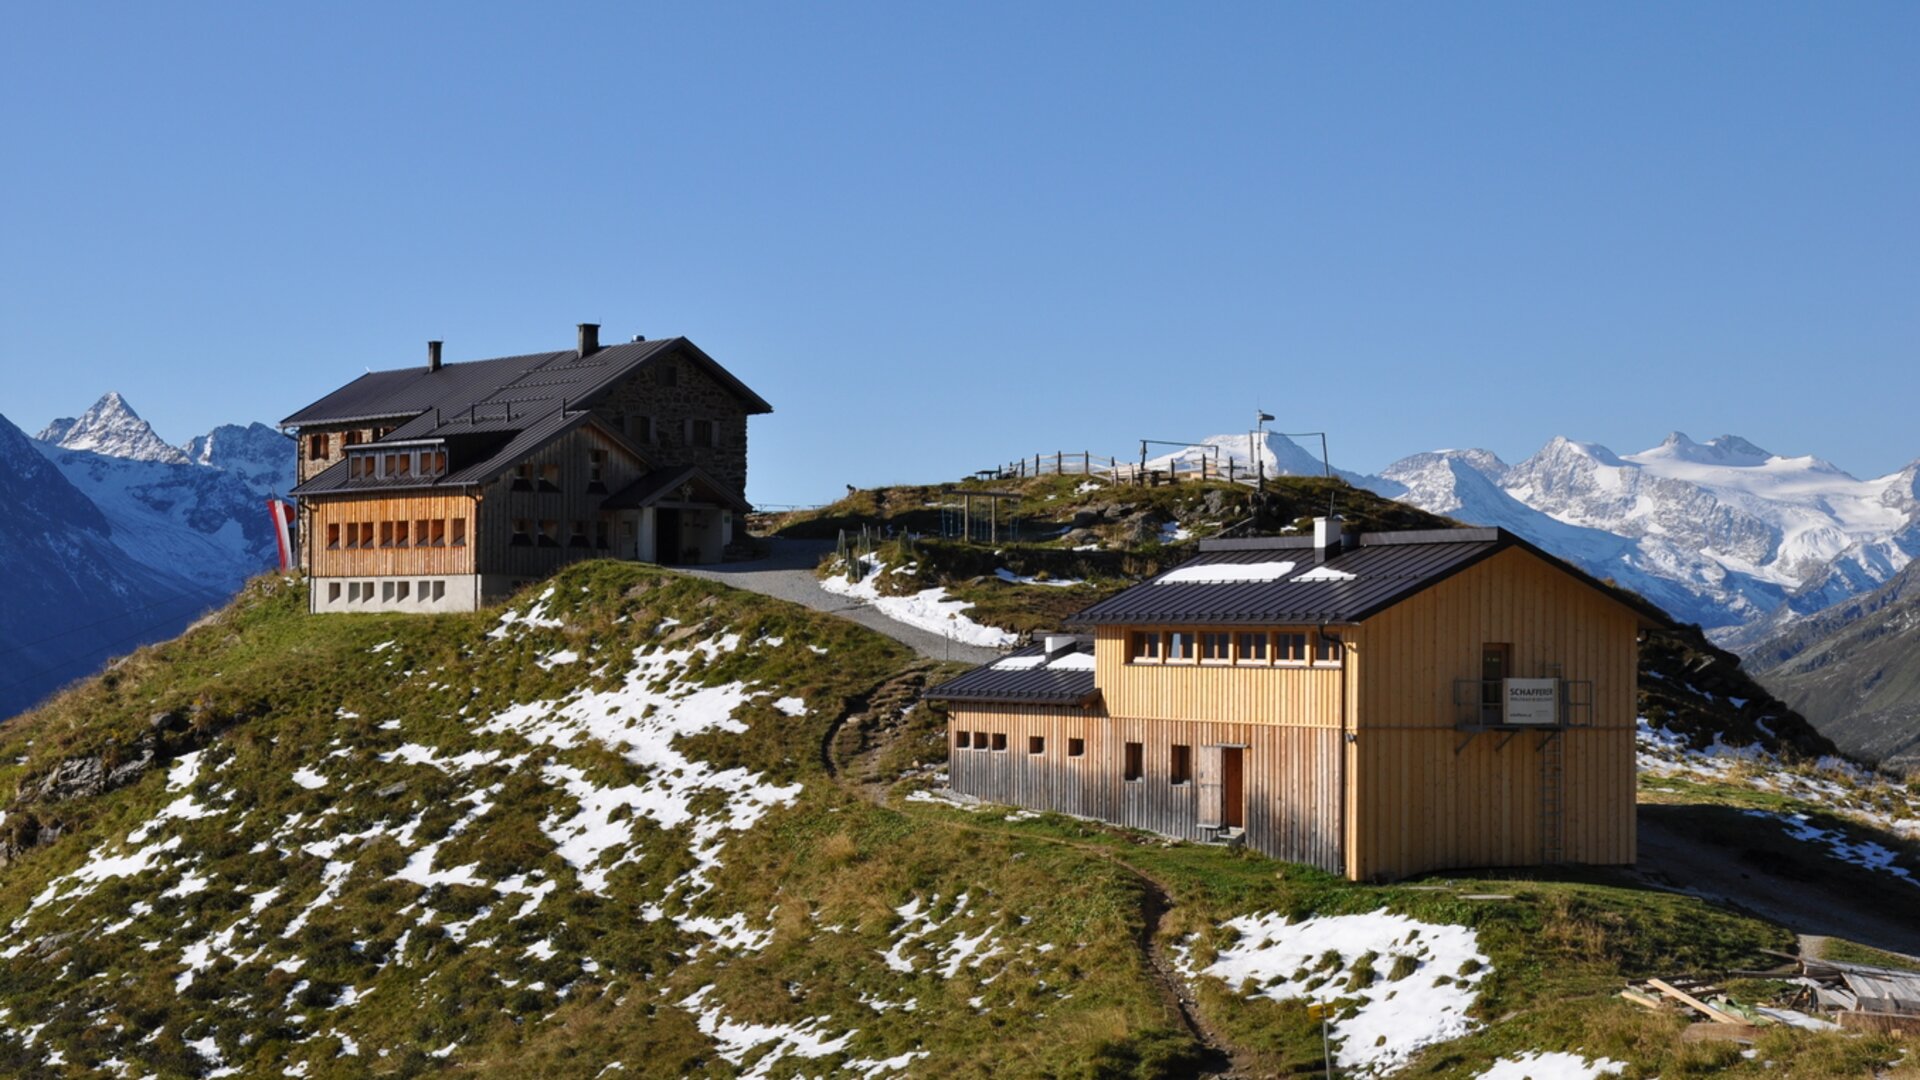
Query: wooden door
(1232, 788)
(1207, 786)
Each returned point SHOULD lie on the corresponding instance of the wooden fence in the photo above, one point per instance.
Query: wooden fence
(1109, 469)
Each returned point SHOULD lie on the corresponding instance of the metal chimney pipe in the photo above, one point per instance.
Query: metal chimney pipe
(589, 339)
(433, 356)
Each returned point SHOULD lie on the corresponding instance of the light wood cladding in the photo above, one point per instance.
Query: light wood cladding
(1228, 693)
(406, 561)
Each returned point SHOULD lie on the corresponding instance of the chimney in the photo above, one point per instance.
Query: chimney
(589, 339)
(1059, 645)
(433, 356)
(1328, 539)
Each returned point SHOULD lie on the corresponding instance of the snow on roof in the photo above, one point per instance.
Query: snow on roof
(1225, 573)
(1326, 573)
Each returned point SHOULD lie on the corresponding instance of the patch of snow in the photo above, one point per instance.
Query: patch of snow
(1012, 578)
(1326, 573)
(1863, 853)
(1276, 958)
(308, 779)
(1225, 573)
(1555, 1065)
(733, 1039)
(928, 609)
(792, 706)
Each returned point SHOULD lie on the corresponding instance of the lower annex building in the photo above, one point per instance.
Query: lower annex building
(1375, 705)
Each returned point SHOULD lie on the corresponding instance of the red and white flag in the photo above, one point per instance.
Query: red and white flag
(282, 529)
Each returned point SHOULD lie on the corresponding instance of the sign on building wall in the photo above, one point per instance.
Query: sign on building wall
(1532, 702)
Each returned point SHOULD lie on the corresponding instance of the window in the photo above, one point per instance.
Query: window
(386, 534)
(386, 592)
(399, 464)
(1328, 650)
(1290, 648)
(577, 536)
(439, 590)
(353, 592)
(400, 534)
(352, 438)
(402, 589)
(1253, 648)
(522, 533)
(333, 592)
(435, 463)
(1076, 747)
(420, 532)
(523, 476)
(357, 466)
(1179, 646)
(549, 478)
(1143, 647)
(333, 536)
(999, 740)
(597, 469)
(1496, 665)
(1133, 767)
(1180, 765)
(459, 532)
(426, 589)
(549, 532)
(700, 433)
(603, 532)
(436, 532)
(1036, 744)
(639, 429)
(1215, 647)
(353, 534)
(979, 740)
(316, 447)
(960, 740)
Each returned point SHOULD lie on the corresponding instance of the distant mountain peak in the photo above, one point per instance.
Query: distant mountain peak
(1725, 450)
(111, 428)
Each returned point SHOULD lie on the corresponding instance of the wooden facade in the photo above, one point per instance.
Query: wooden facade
(546, 513)
(407, 535)
(1361, 763)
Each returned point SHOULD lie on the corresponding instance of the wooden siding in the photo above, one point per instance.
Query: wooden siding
(408, 561)
(1226, 693)
(1418, 800)
(575, 500)
(1290, 775)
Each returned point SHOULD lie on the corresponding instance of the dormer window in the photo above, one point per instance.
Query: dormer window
(523, 476)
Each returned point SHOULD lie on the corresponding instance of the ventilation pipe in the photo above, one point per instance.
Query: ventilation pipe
(1328, 538)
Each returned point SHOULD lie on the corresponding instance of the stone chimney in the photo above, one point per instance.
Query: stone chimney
(433, 356)
(1329, 539)
(589, 339)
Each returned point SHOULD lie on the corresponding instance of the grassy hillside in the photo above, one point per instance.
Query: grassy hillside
(1852, 669)
(637, 823)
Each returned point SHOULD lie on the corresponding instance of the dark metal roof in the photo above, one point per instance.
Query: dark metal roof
(1019, 683)
(1386, 567)
(660, 483)
(491, 413)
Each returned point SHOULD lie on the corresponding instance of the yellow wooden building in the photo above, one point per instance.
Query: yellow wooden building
(443, 487)
(1376, 705)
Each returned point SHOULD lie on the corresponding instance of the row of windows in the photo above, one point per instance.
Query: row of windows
(1133, 767)
(423, 532)
(545, 532)
(1249, 647)
(320, 444)
(362, 592)
(642, 431)
(397, 463)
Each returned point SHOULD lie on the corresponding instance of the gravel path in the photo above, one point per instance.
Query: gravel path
(787, 574)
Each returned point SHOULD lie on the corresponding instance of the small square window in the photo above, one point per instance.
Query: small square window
(1290, 648)
(439, 590)
(1180, 647)
(333, 592)
(1143, 647)
(999, 740)
(1216, 647)
(402, 590)
(1252, 648)
(979, 740)
(1036, 744)
(1134, 767)
(522, 532)
(1076, 747)
(459, 532)
(386, 592)
(961, 741)
(333, 536)
(1328, 650)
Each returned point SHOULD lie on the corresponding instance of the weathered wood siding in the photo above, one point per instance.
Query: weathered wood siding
(412, 560)
(576, 499)
(1418, 805)
(1290, 779)
(1228, 693)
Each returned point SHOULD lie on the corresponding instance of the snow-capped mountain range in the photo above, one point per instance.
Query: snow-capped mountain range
(120, 537)
(1722, 533)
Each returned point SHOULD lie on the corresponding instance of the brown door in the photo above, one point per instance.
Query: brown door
(1232, 789)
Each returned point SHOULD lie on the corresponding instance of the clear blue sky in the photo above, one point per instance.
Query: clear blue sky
(937, 237)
